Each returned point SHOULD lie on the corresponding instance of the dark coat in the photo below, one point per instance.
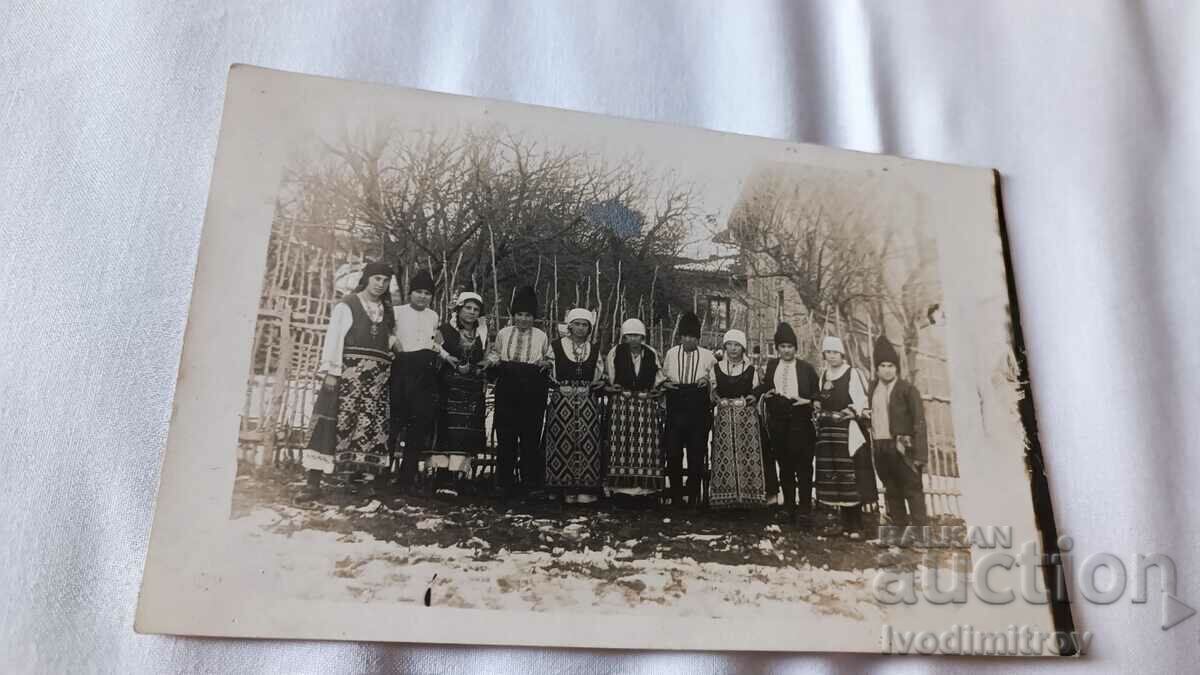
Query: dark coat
(906, 415)
(808, 382)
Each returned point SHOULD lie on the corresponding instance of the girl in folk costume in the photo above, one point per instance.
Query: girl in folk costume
(737, 458)
(574, 415)
(845, 474)
(635, 457)
(463, 380)
(350, 430)
(520, 359)
(414, 376)
(791, 387)
(685, 374)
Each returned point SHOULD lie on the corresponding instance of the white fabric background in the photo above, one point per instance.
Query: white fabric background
(108, 125)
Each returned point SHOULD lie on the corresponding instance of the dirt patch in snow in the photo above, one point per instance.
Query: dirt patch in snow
(630, 529)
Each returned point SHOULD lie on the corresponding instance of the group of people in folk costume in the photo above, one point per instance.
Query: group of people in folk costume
(574, 423)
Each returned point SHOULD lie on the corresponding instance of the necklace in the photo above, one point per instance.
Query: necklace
(579, 350)
(374, 310)
(468, 336)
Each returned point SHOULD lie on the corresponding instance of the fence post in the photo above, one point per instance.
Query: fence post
(279, 387)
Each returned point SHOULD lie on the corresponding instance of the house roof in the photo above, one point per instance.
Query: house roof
(712, 265)
(723, 237)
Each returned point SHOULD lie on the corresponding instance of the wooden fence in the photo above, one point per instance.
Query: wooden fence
(298, 296)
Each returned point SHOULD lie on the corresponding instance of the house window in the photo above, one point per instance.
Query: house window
(718, 313)
(779, 306)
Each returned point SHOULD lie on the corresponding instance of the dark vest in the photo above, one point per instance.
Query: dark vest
(360, 339)
(623, 364)
(452, 342)
(836, 397)
(735, 386)
(566, 370)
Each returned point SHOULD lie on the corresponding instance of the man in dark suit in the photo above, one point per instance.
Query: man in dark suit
(790, 386)
(898, 431)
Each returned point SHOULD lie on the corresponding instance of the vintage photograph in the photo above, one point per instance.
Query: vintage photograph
(554, 372)
(504, 359)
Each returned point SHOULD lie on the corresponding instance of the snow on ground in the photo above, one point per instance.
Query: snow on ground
(312, 561)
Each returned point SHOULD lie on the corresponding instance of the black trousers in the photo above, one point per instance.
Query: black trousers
(904, 495)
(792, 439)
(687, 427)
(414, 404)
(520, 447)
(520, 410)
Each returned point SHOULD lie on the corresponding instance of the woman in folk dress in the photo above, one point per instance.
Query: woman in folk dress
(573, 435)
(845, 475)
(463, 382)
(350, 418)
(635, 428)
(737, 456)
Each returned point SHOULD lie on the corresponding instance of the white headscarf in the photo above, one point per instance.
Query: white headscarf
(580, 313)
(468, 295)
(734, 335)
(833, 344)
(633, 327)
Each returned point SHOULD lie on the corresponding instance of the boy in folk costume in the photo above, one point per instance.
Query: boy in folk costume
(350, 430)
(414, 376)
(635, 458)
(897, 417)
(685, 375)
(791, 387)
(520, 357)
(845, 475)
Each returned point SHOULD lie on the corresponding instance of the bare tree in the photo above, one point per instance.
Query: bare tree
(817, 241)
(908, 294)
(485, 209)
(823, 235)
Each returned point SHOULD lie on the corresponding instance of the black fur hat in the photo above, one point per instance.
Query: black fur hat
(422, 282)
(689, 324)
(784, 335)
(524, 301)
(885, 352)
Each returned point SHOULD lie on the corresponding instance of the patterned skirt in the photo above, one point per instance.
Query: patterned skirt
(842, 480)
(350, 424)
(737, 458)
(574, 446)
(460, 433)
(635, 455)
